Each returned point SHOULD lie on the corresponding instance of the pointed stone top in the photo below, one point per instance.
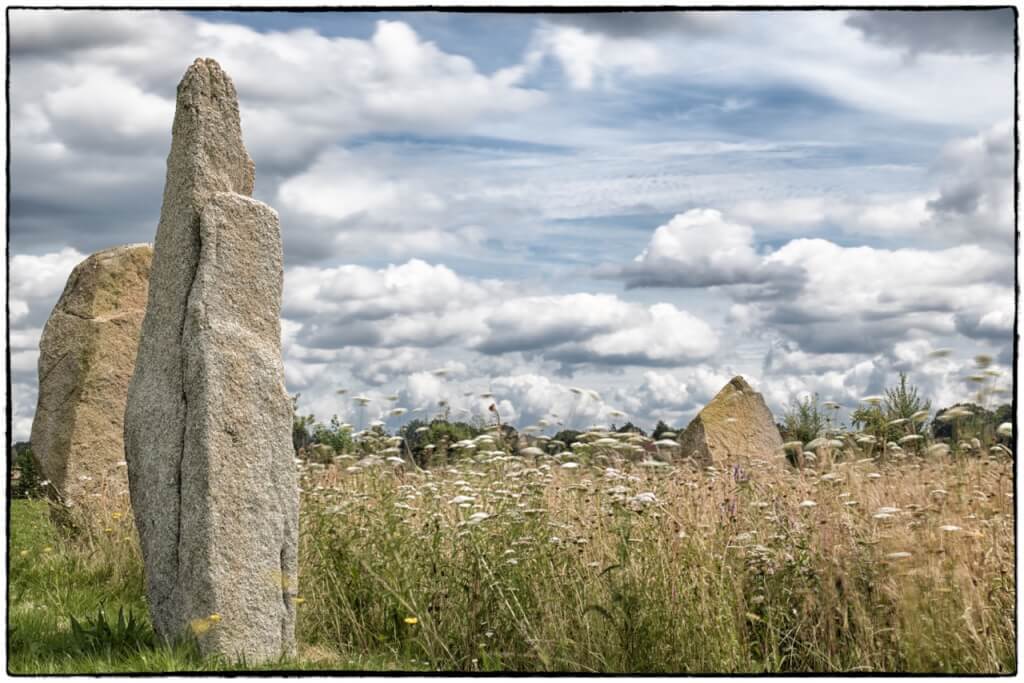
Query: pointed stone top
(736, 422)
(739, 384)
(207, 153)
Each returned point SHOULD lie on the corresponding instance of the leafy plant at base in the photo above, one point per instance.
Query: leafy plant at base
(126, 633)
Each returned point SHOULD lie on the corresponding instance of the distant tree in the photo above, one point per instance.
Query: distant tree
(900, 402)
(301, 426)
(567, 436)
(335, 435)
(629, 428)
(660, 429)
(980, 424)
(804, 420)
(24, 467)
(439, 433)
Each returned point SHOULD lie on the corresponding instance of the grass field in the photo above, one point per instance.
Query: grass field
(501, 563)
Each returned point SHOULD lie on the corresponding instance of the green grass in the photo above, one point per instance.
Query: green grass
(55, 578)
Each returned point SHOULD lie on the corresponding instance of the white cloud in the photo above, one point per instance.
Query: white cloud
(37, 281)
(421, 305)
(698, 248)
(591, 58)
(975, 200)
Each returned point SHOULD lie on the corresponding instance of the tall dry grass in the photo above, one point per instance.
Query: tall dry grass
(501, 563)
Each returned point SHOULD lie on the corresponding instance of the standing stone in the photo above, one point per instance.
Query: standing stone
(86, 357)
(208, 421)
(735, 424)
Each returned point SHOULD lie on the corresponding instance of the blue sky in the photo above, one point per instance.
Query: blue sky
(637, 204)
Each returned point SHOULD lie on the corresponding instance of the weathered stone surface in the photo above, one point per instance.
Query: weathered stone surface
(735, 424)
(208, 421)
(86, 356)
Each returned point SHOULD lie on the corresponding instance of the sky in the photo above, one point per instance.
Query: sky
(511, 208)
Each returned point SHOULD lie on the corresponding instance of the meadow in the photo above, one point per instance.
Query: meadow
(509, 557)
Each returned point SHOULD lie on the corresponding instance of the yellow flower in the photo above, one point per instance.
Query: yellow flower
(117, 515)
(412, 621)
(109, 530)
(23, 553)
(298, 600)
(199, 626)
(48, 549)
(214, 617)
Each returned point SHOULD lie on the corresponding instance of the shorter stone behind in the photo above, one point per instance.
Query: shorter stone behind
(86, 359)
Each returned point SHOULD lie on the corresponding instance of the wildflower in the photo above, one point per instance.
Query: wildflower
(873, 400)
(887, 510)
(666, 443)
(459, 500)
(108, 530)
(477, 517)
(215, 618)
(397, 412)
(919, 416)
(531, 450)
(298, 601)
(937, 450)
(874, 475)
(953, 414)
(570, 466)
(48, 549)
(23, 553)
(117, 515)
(898, 555)
(1005, 429)
(412, 621)
(645, 498)
(949, 528)
(808, 504)
(909, 438)
(831, 405)
(882, 515)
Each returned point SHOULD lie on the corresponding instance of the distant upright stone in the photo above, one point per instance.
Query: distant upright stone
(736, 423)
(208, 421)
(86, 356)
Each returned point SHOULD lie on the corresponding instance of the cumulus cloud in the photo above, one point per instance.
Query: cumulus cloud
(36, 283)
(830, 298)
(972, 200)
(592, 59)
(700, 248)
(417, 304)
(975, 31)
(91, 112)
(975, 199)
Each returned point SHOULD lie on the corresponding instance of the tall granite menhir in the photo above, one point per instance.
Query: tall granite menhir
(208, 420)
